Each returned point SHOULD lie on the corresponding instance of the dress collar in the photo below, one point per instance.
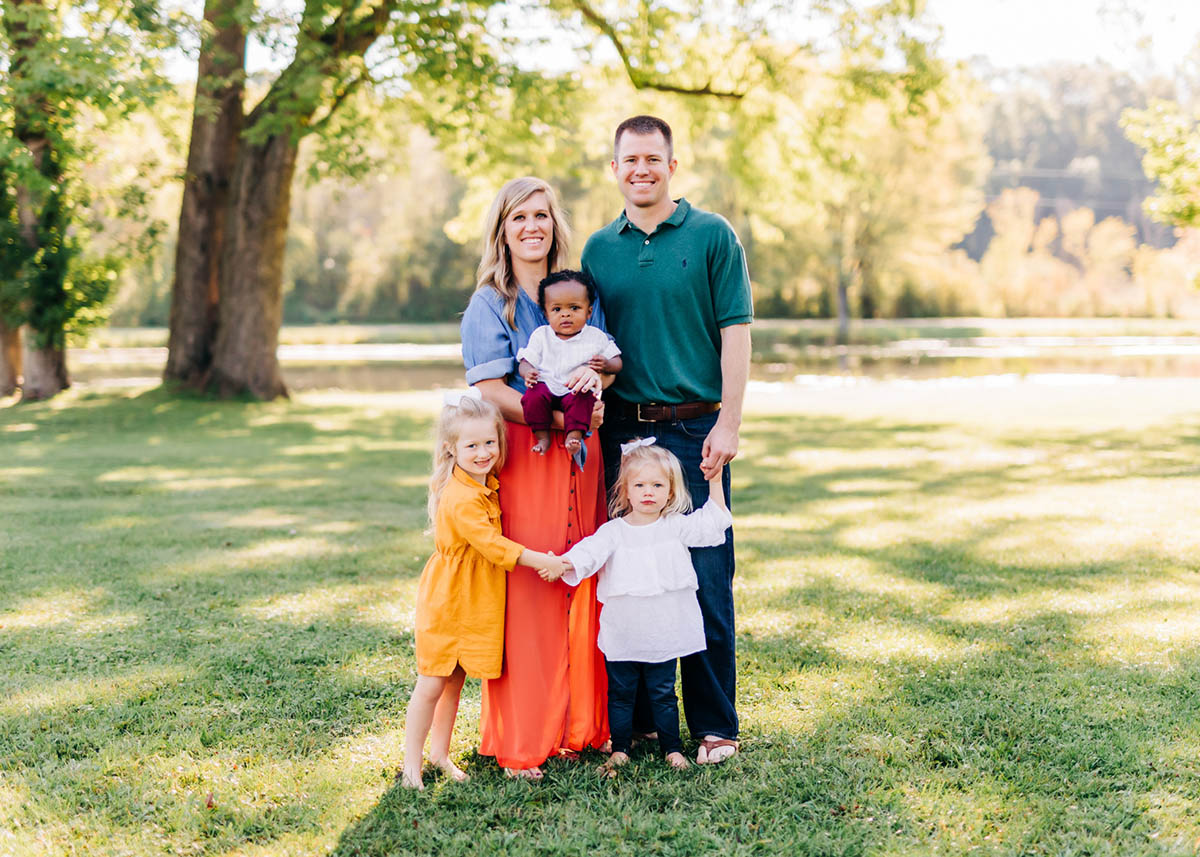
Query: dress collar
(465, 478)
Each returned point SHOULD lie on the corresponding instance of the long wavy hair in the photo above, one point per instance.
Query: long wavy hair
(449, 429)
(495, 263)
(680, 500)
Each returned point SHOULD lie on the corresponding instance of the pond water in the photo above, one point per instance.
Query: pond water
(408, 366)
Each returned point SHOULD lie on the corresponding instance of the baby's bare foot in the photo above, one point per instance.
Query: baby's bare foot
(574, 442)
(543, 442)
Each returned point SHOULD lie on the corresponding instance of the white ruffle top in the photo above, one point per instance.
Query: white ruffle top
(647, 583)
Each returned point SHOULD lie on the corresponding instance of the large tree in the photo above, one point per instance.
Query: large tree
(227, 297)
(61, 63)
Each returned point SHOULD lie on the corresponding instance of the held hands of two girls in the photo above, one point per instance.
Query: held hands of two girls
(548, 566)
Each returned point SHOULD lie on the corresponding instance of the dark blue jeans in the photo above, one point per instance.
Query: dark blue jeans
(708, 678)
(627, 680)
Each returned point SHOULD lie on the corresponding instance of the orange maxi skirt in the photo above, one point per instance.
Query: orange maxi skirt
(553, 690)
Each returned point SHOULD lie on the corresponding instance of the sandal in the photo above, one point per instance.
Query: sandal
(707, 745)
(534, 773)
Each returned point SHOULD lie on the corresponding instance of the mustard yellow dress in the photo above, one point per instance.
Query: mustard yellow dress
(460, 597)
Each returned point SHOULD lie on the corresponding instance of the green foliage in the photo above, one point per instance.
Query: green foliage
(1171, 140)
(54, 87)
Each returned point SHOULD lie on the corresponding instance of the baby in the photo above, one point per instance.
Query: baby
(557, 349)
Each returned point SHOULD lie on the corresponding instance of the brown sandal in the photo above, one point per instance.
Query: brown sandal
(710, 744)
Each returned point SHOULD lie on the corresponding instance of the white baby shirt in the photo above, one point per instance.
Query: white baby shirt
(557, 358)
(647, 583)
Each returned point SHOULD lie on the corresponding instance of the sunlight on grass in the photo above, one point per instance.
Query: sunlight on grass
(173, 479)
(45, 611)
(1146, 637)
(236, 560)
(265, 517)
(90, 690)
(800, 701)
(392, 605)
(882, 642)
(865, 575)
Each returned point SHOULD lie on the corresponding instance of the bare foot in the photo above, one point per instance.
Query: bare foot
(452, 771)
(411, 779)
(534, 773)
(543, 442)
(606, 747)
(616, 760)
(574, 441)
(639, 737)
(714, 750)
(677, 761)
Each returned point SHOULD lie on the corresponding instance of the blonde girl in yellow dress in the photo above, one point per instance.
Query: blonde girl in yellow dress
(460, 598)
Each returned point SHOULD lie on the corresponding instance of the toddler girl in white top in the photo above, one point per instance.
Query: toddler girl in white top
(648, 587)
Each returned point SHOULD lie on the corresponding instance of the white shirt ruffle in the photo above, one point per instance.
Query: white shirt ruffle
(647, 583)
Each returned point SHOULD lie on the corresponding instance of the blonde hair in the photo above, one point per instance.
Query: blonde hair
(495, 264)
(680, 500)
(449, 429)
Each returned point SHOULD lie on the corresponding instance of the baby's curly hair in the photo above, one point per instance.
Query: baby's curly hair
(567, 276)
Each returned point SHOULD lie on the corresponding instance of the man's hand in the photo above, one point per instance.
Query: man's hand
(719, 449)
(597, 415)
(583, 378)
(598, 363)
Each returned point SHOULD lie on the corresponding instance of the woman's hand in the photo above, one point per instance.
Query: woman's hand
(583, 378)
(597, 415)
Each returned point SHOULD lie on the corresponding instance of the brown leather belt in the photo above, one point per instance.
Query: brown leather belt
(652, 412)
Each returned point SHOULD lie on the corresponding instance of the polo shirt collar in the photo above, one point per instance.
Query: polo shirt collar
(465, 478)
(682, 207)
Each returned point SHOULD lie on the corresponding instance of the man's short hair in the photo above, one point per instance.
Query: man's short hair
(644, 125)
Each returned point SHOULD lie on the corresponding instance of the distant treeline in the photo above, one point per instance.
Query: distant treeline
(1020, 195)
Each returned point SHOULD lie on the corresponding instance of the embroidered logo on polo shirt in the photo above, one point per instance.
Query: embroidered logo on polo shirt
(685, 263)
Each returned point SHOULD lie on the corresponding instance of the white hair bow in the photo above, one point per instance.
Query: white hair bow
(627, 448)
(453, 398)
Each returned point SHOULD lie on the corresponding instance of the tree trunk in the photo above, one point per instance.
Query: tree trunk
(10, 358)
(251, 306)
(45, 372)
(212, 153)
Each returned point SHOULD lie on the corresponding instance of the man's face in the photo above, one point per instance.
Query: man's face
(643, 168)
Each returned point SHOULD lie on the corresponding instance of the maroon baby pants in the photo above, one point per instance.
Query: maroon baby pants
(538, 402)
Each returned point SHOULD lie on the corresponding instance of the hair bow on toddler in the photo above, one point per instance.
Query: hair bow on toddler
(454, 398)
(627, 448)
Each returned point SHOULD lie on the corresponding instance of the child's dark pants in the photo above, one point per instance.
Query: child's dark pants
(538, 402)
(659, 679)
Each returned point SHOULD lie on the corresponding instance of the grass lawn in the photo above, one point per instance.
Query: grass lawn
(969, 622)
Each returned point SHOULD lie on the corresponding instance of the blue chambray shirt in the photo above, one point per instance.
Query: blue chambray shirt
(489, 345)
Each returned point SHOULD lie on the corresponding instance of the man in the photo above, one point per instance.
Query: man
(676, 295)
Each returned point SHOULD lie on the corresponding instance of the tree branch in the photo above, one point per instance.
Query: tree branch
(639, 78)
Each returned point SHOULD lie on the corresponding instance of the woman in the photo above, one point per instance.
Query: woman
(551, 697)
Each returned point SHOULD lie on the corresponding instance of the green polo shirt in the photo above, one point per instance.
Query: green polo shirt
(666, 297)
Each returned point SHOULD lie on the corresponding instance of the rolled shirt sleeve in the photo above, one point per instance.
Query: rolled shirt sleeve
(487, 344)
